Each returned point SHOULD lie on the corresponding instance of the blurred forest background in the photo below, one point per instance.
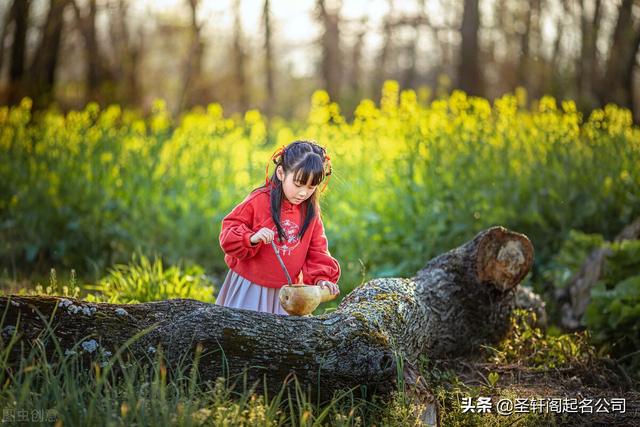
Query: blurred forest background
(272, 54)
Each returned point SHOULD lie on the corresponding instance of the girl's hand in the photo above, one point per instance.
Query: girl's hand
(333, 288)
(264, 234)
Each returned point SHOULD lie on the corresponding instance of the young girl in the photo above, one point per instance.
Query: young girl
(285, 207)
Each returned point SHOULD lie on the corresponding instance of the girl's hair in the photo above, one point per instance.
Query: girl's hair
(304, 159)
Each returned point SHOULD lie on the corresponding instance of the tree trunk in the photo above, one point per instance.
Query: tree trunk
(587, 62)
(98, 72)
(387, 47)
(193, 64)
(19, 12)
(524, 61)
(331, 56)
(239, 60)
(549, 81)
(127, 49)
(410, 73)
(628, 77)
(270, 100)
(457, 302)
(617, 84)
(469, 72)
(8, 18)
(45, 61)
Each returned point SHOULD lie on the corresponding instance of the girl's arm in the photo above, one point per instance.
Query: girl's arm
(319, 264)
(236, 232)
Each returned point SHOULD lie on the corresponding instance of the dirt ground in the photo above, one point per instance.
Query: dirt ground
(602, 379)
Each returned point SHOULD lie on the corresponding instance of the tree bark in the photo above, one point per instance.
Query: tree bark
(331, 54)
(239, 60)
(457, 302)
(6, 23)
(19, 13)
(270, 100)
(98, 72)
(524, 61)
(387, 47)
(127, 51)
(355, 67)
(617, 83)
(530, 55)
(193, 64)
(43, 67)
(410, 73)
(469, 72)
(587, 61)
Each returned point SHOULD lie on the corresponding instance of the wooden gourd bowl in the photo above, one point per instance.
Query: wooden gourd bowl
(300, 300)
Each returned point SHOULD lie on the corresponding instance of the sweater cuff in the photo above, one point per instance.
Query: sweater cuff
(246, 239)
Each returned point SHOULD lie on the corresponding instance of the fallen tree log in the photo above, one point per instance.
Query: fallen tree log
(457, 302)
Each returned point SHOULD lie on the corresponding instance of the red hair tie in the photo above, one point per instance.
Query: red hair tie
(327, 173)
(278, 152)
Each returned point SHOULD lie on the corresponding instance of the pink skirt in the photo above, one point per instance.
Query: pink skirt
(238, 292)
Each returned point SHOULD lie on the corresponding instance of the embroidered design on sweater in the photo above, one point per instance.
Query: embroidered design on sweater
(291, 240)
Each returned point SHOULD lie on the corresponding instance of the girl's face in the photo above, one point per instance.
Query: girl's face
(295, 191)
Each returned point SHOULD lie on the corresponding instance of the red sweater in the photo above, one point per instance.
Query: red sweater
(308, 256)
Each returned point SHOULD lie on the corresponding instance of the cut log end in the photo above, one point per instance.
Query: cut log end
(504, 257)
